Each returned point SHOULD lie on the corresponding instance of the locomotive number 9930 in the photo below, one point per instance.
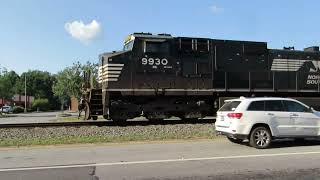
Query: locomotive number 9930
(154, 61)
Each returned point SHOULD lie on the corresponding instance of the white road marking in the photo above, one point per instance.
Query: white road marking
(154, 161)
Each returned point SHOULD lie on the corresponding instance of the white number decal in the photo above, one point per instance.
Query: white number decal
(164, 61)
(151, 61)
(158, 61)
(144, 61)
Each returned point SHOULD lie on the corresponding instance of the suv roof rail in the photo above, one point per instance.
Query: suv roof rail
(242, 97)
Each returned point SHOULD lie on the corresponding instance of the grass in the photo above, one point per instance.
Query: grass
(152, 136)
(6, 115)
(3, 116)
(69, 119)
(74, 118)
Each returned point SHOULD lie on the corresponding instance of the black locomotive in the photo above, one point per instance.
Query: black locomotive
(159, 76)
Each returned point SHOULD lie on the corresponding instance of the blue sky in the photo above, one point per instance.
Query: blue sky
(33, 33)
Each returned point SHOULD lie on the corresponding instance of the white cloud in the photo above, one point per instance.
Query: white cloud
(216, 9)
(84, 32)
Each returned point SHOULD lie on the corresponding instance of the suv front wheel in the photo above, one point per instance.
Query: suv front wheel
(260, 137)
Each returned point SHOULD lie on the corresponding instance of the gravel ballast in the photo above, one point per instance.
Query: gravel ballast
(94, 134)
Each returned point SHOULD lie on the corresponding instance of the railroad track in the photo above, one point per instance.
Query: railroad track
(105, 123)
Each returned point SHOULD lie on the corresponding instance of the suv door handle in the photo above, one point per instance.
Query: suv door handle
(270, 114)
(293, 114)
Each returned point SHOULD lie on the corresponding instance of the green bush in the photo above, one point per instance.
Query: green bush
(41, 104)
(18, 109)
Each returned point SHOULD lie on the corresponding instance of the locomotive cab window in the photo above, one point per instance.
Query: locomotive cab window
(202, 45)
(159, 47)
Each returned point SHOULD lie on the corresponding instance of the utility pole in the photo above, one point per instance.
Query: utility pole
(25, 93)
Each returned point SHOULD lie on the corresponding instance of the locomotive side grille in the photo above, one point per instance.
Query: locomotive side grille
(287, 64)
(109, 72)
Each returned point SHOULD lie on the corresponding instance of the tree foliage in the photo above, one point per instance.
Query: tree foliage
(8, 81)
(41, 104)
(43, 85)
(39, 84)
(70, 79)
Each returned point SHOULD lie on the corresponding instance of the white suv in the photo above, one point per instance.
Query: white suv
(262, 119)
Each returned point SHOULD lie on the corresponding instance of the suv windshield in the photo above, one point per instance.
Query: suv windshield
(230, 106)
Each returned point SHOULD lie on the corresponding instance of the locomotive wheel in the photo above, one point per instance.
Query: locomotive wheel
(94, 117)
(120, 121)
(156, 116)
(183, 118)
(86, 110)
(119, 117)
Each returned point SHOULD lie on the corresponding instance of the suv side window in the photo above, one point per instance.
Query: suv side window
(230, 106)
(274, 105)
(256, 106)
(292, 106)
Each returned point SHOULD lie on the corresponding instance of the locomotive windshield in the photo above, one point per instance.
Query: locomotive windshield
(128, 46)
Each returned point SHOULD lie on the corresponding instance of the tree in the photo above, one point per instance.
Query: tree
(70, 79)
(6, 90)
(8, 81)
(61, 86)
(39, 84)
(3, 70)
(91, 68)
(14, 79)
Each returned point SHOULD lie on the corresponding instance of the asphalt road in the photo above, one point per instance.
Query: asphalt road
(203, 159)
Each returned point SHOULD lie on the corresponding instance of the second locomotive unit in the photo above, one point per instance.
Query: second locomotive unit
(160, 76)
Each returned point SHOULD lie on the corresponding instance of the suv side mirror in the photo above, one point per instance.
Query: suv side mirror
(311, 109)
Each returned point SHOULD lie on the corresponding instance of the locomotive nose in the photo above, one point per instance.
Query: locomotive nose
(111, 66)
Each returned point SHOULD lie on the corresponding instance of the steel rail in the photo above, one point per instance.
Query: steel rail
(105, 123)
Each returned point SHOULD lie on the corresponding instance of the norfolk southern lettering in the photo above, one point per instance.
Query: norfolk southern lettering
(160, 76)
(313, 79)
